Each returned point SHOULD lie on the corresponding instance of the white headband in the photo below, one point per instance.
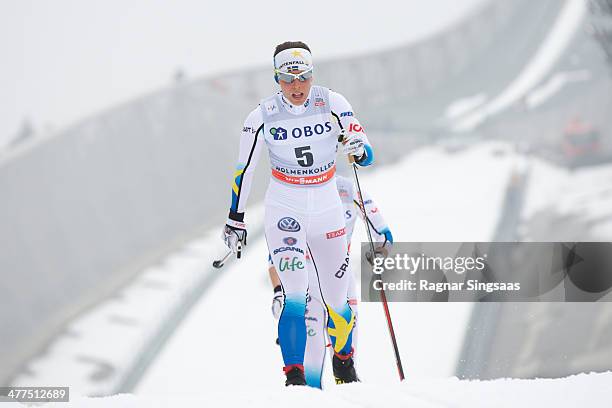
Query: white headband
(292, 59)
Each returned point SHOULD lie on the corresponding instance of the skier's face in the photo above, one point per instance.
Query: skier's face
(297, 91)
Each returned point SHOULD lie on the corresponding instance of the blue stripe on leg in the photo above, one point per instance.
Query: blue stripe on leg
(292, 329)
(313, 377)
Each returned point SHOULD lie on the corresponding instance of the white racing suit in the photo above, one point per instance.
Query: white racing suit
(303, 211)
(316, 342)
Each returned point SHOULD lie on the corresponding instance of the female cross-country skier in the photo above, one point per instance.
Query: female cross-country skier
(316, 341)
(300, 126)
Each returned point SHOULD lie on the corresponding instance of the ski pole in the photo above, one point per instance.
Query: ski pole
(383, 296)
(220, 262)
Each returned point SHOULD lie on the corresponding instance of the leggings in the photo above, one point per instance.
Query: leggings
(300, 221)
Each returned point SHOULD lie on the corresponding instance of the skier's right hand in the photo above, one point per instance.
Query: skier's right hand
(277, 302)
(234, 235)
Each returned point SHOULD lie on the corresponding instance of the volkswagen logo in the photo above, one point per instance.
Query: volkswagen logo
(288, 224)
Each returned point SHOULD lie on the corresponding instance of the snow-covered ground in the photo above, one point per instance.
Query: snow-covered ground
(584, 390)
(97, 352)
(228, 337)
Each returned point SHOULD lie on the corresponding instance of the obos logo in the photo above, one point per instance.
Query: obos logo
(279, 133)
(290, 241)
(288, 224)
(306, 131)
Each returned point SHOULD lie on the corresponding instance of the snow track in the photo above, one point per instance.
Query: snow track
(589, 390)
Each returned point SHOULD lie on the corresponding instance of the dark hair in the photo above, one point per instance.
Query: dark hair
(290, 44)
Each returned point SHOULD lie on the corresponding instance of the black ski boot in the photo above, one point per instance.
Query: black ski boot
(295, 375)
(344, 368)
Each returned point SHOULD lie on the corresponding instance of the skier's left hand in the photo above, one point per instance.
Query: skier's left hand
(353, 144)
(388, 238)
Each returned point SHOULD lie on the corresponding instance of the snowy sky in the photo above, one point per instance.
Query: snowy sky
(65, 59)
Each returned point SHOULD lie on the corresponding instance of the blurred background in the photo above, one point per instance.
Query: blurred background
(119, 123)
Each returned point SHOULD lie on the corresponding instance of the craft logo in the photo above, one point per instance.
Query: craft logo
(340, 273)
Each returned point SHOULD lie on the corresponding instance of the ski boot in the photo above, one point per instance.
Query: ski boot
(295, 375)
(344, 368)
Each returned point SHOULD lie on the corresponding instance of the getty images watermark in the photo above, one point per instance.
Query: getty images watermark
(489, 271)
(36, 395)
(458, 265)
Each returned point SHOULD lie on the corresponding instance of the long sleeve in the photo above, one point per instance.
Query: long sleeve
(343, 112)
(251, 141)
(378, 225)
